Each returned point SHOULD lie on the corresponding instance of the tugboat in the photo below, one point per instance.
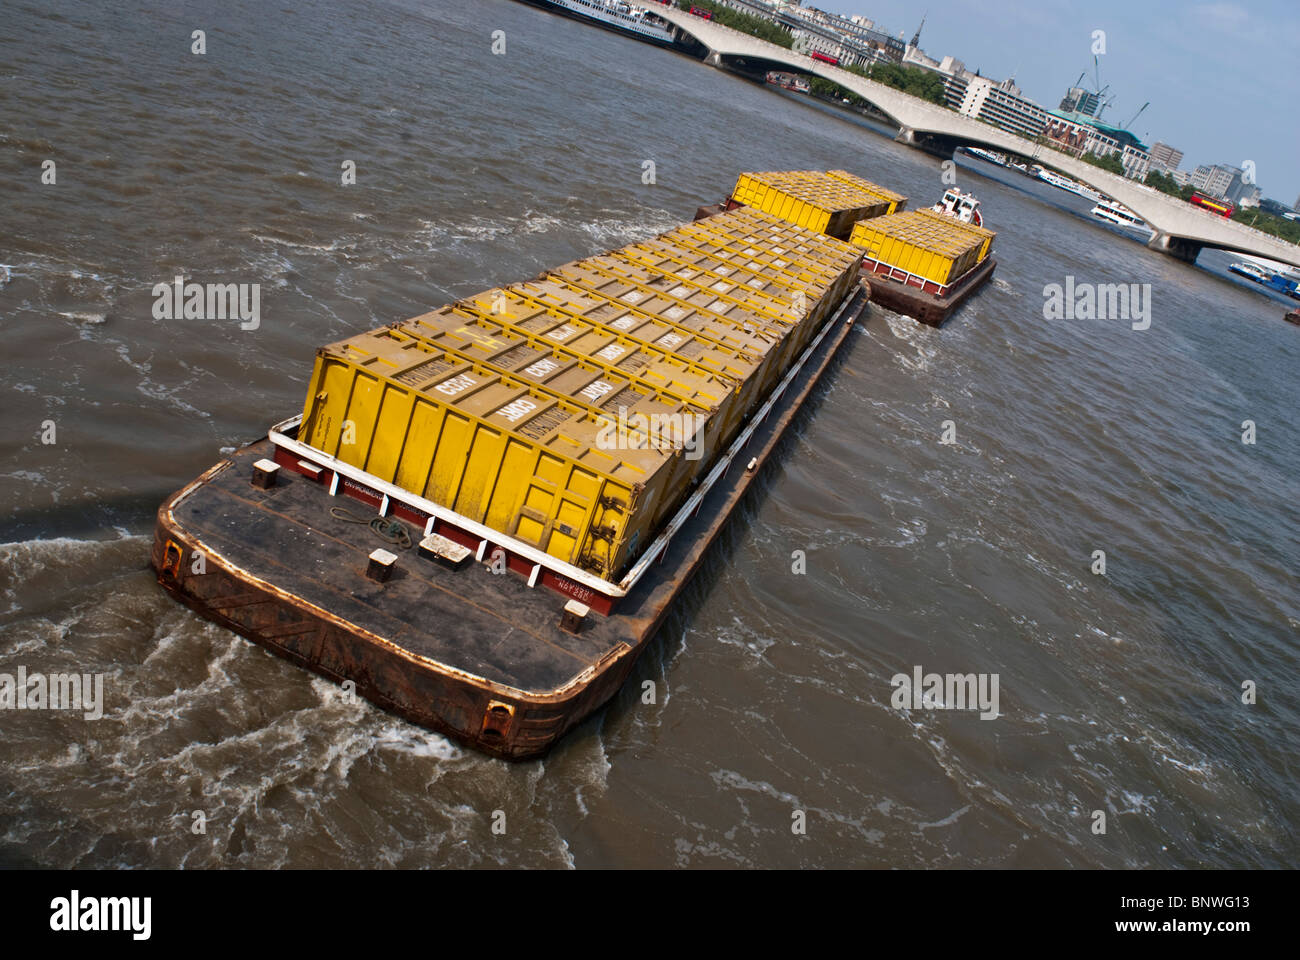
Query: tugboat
(935, 259)
(962, 206)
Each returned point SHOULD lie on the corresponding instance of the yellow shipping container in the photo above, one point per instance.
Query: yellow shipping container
(602, 389)
(780, 265)
(608, 373)
(683, 362)
(815, 271)
(586, 489)
(985, 235)
(723, 269)
(600, 386)
(570, 315)
(919, 244)
(896, 201)
(631, 283)
(574, 411)
(693, 292)
(810, 199)
(779, 234)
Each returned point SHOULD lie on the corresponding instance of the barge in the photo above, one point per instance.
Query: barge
(442, 530)
(923, 264)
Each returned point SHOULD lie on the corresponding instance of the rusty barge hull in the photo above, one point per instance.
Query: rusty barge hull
(929, 308)
(478, 656)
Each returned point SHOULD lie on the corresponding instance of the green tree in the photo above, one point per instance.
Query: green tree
(1109, 162)
(1280, 227)
(1164, 183)
(746, 23)
(914, 80)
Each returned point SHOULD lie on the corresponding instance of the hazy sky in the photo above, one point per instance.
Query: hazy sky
(1223, 78)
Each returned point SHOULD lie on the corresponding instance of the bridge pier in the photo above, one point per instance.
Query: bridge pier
(714, 59)
(935, 146)
(1178, 247)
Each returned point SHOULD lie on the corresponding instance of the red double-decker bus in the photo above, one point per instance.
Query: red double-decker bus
(1222, 207)
(817, 55)
(701, 12)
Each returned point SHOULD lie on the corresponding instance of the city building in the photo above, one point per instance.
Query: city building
(1215, 181)
(846, 54)
(1242, 194)
(999, 104)
(1165, 158)
(1136, 161)
(1079, 100)
(1226, 182)
(856, 41)
(1181, 177)
(1078, 133)
(856, 38)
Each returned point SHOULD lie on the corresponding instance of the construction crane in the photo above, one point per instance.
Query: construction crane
(1136, 115)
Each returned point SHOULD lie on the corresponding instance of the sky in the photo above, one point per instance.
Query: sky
(1223, 78)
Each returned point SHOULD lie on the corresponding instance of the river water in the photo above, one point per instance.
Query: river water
(1120, 693)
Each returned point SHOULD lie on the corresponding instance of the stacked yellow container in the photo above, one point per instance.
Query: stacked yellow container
(575, 412)
(986, 236)
(927, 245)
(820, 201)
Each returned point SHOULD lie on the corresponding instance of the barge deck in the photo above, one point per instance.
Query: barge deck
(482, 658)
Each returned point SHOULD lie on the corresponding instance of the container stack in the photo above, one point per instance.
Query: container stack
(924, 244)
(896, 201)
(828, 202)
(576, 411)
(985, 236)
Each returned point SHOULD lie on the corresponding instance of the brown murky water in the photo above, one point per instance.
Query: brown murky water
(1119, 693)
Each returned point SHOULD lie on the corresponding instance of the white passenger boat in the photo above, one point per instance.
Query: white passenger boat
(615, 15)
(1121, 216)
(1073, 186)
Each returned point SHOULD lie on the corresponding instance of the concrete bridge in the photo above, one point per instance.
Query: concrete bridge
(1181, 229)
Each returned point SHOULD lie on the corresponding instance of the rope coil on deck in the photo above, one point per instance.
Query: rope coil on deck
(390, 531)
